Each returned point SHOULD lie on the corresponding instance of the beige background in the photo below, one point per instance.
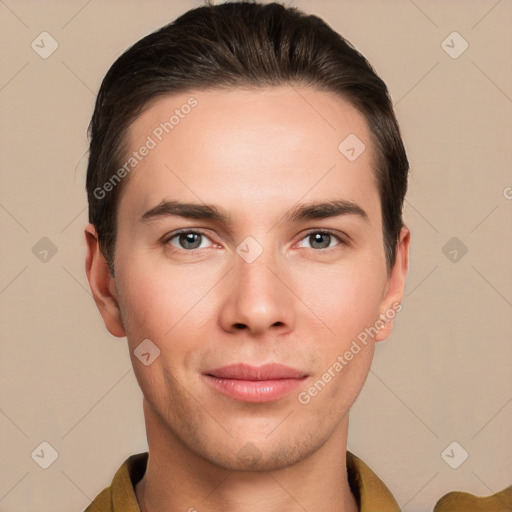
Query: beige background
(445, 373)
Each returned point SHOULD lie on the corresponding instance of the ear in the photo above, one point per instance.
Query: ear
(392, 302)
(102, 284)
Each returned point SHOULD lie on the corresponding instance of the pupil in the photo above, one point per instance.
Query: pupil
(318, 236)
(188, 239)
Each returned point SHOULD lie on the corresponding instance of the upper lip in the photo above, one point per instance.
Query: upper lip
(268, 371)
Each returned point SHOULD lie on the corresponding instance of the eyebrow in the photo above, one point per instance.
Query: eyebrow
(308, 211)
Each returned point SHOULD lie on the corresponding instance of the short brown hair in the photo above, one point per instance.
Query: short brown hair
(240, 44)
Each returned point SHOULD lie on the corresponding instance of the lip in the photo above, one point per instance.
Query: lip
(270, 371)
(254, 384)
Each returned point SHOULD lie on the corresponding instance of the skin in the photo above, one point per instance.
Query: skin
(255, 154)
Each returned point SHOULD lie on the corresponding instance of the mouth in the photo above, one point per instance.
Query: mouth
(253, 384)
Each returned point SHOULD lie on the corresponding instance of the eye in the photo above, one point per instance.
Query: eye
(187, 240)
(322, 239)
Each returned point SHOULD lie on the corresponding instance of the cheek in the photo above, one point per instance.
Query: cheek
(163, 303)
(144, 296)
(154, 306)
(346, 299)
(347, 305)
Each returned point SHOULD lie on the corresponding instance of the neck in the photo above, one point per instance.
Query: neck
(178, 479)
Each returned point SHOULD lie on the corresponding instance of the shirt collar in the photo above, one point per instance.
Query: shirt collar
(370, 492)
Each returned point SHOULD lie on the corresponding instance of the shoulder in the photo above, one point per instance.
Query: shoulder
(458, 501)
(120, 495)
(369, 490)
(102, 502)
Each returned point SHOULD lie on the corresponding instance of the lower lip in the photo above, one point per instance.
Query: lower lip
(255, 391)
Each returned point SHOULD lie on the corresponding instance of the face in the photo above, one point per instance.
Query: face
(264, 275)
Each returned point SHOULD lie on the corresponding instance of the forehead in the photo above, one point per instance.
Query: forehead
(269, 143)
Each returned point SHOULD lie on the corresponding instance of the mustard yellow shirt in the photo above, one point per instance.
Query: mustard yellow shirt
(369, 490)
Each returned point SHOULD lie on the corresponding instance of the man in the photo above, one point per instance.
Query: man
(245, 184)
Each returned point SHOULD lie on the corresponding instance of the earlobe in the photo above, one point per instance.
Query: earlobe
(102, 284)
(392, 303)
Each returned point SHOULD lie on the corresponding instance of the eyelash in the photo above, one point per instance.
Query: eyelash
(175, 234)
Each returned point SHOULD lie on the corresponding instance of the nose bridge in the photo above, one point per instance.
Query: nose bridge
(255, 269)
(256, 266)
(258, 299)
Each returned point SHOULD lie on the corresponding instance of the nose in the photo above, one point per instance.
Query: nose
(257, 297)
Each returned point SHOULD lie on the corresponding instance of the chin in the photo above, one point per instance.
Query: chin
(260, 457)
